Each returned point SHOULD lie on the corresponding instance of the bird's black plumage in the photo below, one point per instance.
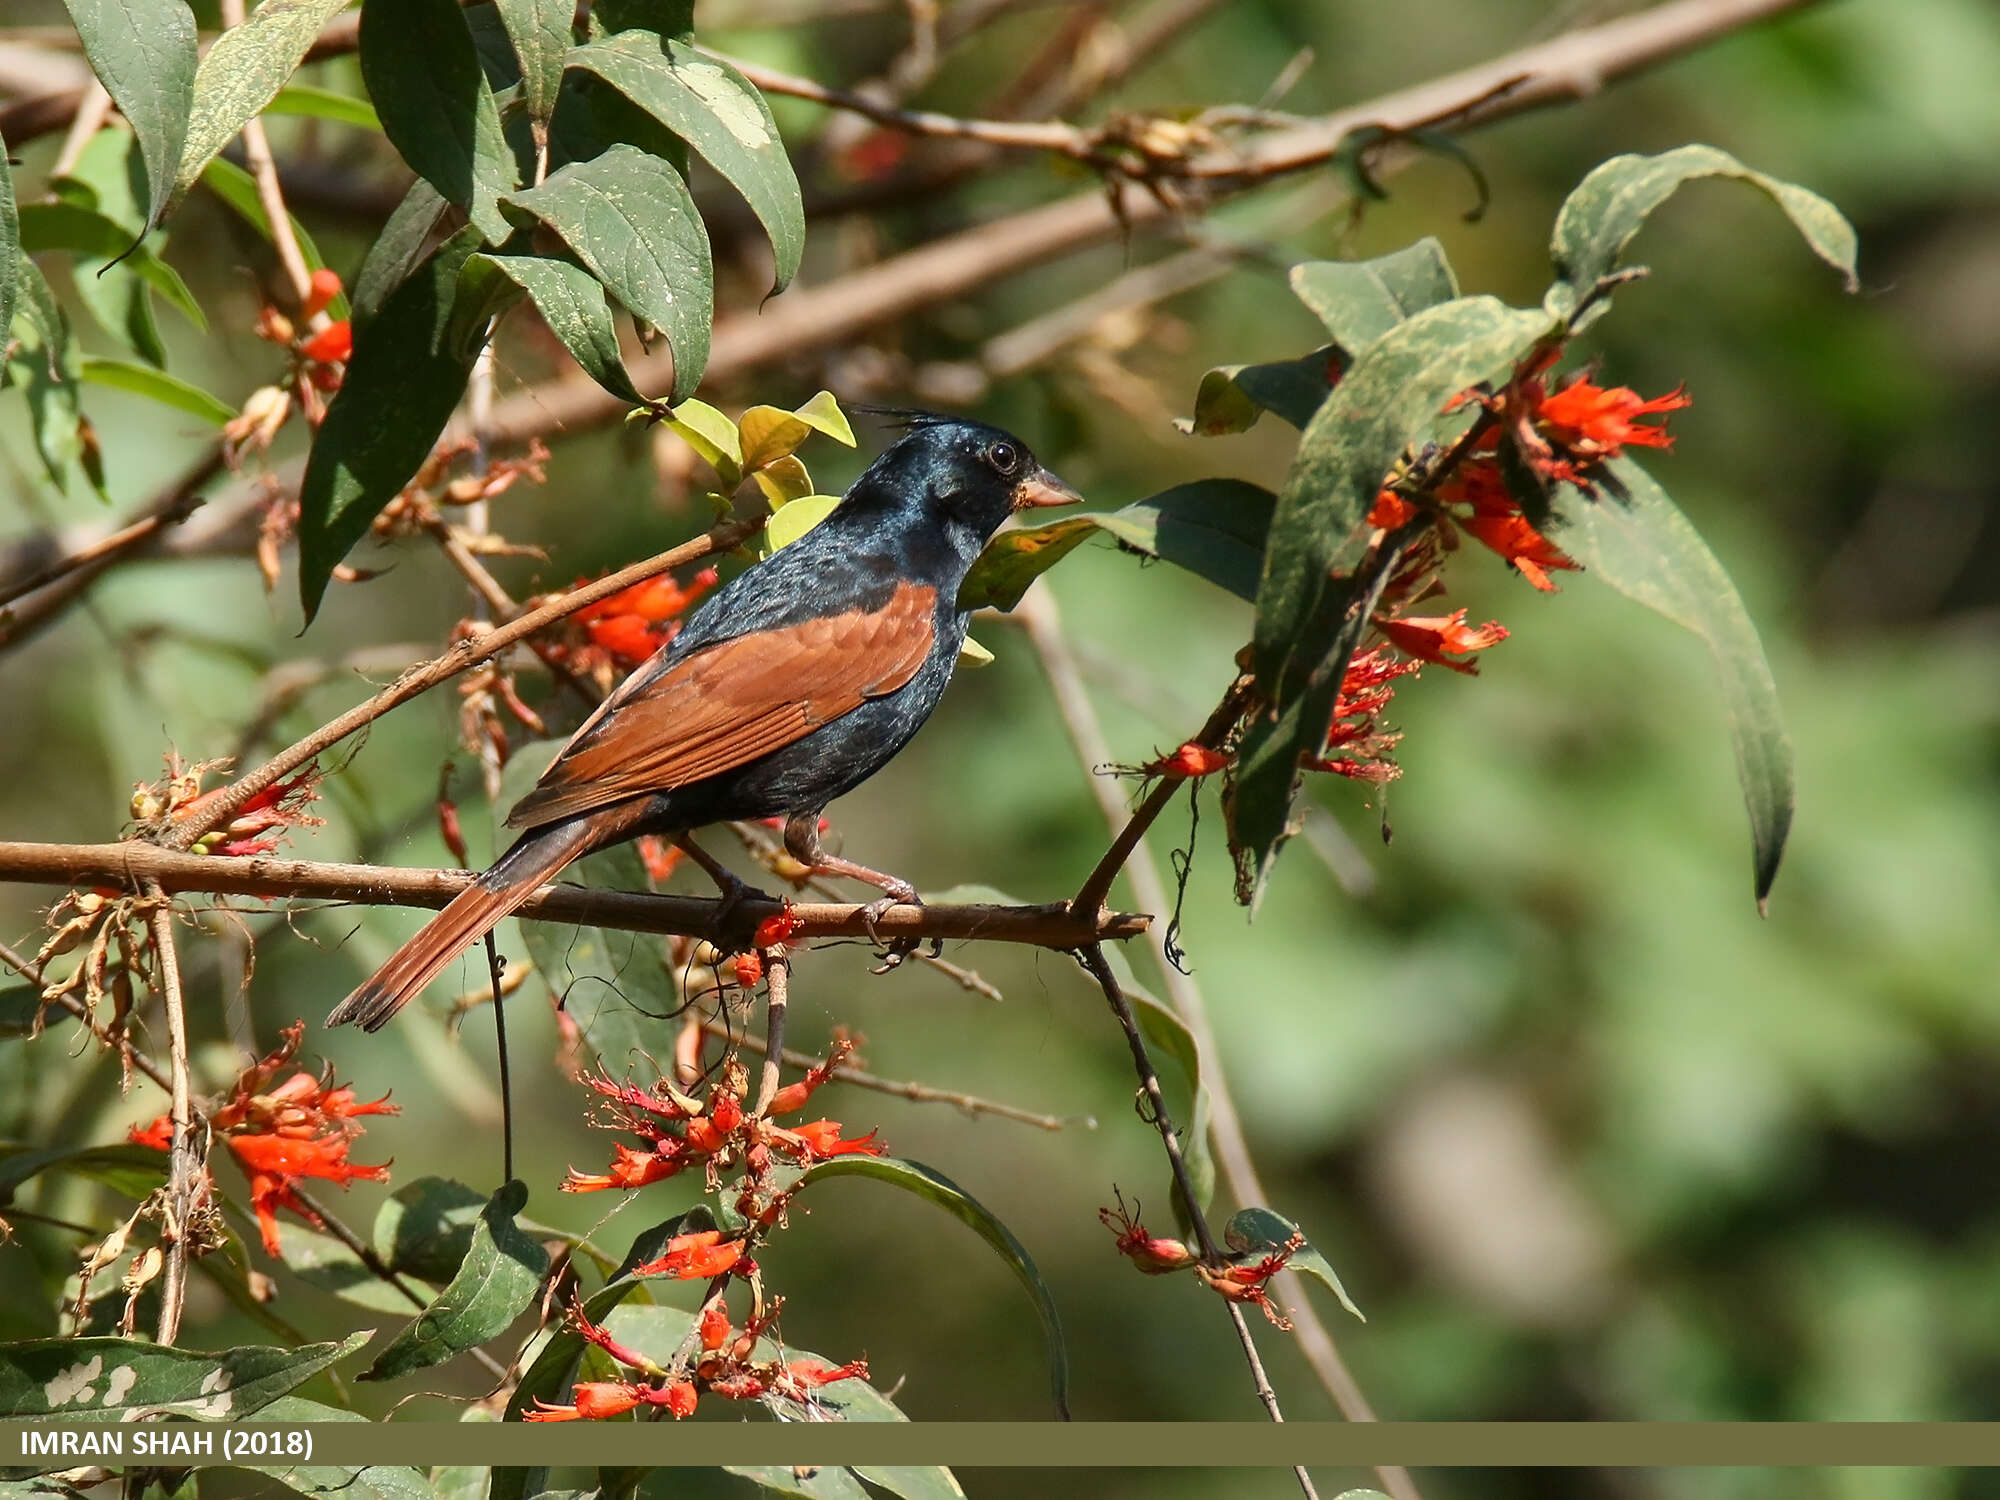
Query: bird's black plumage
(786, 688)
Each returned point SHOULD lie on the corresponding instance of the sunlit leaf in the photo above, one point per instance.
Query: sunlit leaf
(424, 78)
(1634, 538)
(713, 108)
(1231, 398)
(796, 519)
(324, 104)
(1361, 300)
(1599, 219)
(629, 218)
(158, 385)
(243, 72)
(496, 1283)
(143, 52)
(1016, 557)
(115, 1380)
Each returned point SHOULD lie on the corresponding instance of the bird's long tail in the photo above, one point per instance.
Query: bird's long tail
(537, 856)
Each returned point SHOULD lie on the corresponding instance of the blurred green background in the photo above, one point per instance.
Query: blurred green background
(1584, 1136)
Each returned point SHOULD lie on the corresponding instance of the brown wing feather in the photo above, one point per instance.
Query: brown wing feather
(725, 705)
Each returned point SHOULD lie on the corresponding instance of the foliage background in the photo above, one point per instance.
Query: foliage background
(1584, 1136)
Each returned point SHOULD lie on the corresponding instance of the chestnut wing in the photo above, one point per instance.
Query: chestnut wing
(725, 705)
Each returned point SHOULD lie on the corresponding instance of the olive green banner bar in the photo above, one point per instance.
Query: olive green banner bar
(1013, 1444)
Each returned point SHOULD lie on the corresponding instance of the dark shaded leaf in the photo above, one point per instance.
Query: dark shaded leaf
(143, 52)
(243, 73)
(913, 1483)
(540, 32)
(134, 1171)
(935, 1187)
(20, 1005)
(830, 1482)
(405, 378)
(1260, 1232)
(424, 76)
(114, 1380)
(321, 1260)
(715, 109)
(572, 303)
(497, 1282)
(397, 249)
(1361, 300)
(1215, 528)
(674, 18)
(1611, 205)
(158, 385)
(630, 219)
(1636, 540)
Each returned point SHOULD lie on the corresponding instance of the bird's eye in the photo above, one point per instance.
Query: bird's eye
(1004, 456)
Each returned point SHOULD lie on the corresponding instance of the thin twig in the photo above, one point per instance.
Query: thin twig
(495, 968)
(916, 1093)
(467, 653)
(1039, 614)
(32, 972)
(181, 1159)
(93, 107)
(129, 864)
(257, 154)
(777, 1000)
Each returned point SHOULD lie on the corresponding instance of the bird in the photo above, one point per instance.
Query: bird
(787, 687)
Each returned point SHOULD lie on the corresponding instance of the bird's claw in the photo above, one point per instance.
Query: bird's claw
(893, 950)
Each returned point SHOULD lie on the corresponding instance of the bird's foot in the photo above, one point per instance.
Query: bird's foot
(894, 950)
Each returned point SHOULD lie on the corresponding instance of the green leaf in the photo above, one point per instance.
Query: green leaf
(823, 414)
(1215, 528)
(158, 385)
(913, 1483)
(405, 378)
(243, 73)
(423, 74)
(712, 435)
(135, 1171)
(20, 1008)
(572, 303)
(1168, 1032)
(1256, 1232)
(43, 360)
(1231, 398)
(540, 32)
(342, 1481)
(397, 250)
(796, 519)
(108, 178)
(238, 190)
(115, 1380)
(1361, 300)
(324, 104)
(714, 109)
(1016, 557)
(425, 1227)
(829, 1482)
(87, 232)
(1309, 613)
(498, 1281)
(321, 1260)
(1635, 539)
(143, 52)
(1611, 205)
(10, 245)
(935, 1187)
(630, 219)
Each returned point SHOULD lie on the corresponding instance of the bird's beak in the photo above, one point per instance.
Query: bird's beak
(1043, 488)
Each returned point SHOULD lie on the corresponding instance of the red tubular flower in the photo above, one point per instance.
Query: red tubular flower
(793, 1096)
(324, 287)
(593, 1401)
(678, 1397)
(1355, 730)
(629, 1168)
(822, 1140)
(1599, 421)
(1391, 510)
(714, 1326)
(332, 345)
(1440, 638)
(749, 969)
(773, 931)
(810, 1374)
(1249, 1281)
(1152, 1255)
(690, 1257)
(660, 858)
(1190, 760)
(627, 637)
(1515, 539)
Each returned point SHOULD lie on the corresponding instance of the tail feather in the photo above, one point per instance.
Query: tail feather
(535, 859)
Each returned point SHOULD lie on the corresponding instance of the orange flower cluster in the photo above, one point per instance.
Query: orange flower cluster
(1242, 1278)
(632, 624)
(1560, 436)
(722, 1366)
(680, 1131)
(284, 1135)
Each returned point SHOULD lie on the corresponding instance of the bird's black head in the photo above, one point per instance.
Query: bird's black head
(963, 477)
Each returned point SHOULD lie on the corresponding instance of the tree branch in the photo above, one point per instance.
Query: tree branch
(133, 863)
